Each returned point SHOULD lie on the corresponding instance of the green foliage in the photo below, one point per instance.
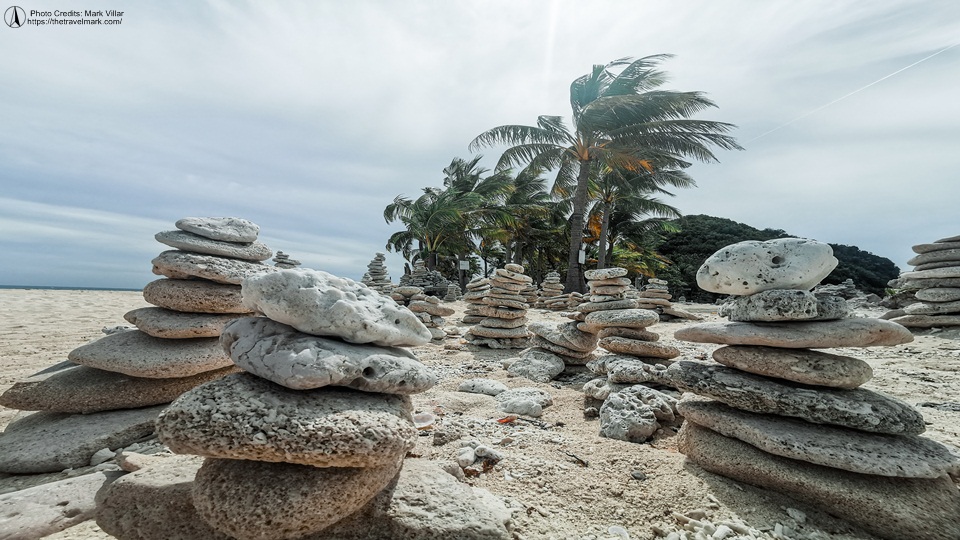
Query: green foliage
(870, 272)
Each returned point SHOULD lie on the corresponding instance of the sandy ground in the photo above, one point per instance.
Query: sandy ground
(559, 476)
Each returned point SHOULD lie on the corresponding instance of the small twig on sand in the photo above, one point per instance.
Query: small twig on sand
(537, 423)
(581, 462)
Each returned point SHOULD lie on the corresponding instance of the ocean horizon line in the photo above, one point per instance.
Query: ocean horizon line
(65, 288)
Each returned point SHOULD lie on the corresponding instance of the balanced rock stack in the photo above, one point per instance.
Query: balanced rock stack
(477, 290)
(453, 293)
(283, 261)
(655, 295)
(376, 276)
(936, 280)
(404, 294)
(551, 293)
(431, 281)
(118, 381)
(431, 313)
(791, 419)
(317, 425)
(504, 325)
(530, 294)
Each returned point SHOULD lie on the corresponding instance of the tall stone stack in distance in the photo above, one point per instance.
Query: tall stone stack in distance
(376, 276)
(321, 419)
(283, 261)
(551, 293)
(655, 295)
(118, 381)
(431, 313)
(787, 417)
(453, 293)
(477, 290)
(936, 282)
(431, 281)
(504, 325)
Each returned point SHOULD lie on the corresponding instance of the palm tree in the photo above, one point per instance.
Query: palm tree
(619, 120)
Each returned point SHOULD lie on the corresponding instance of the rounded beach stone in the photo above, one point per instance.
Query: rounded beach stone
(254, 500)
(937, 246)
(322, 304)
(493, 301)
(630, 333)
(797, 365)
(537, 365)
(194, 296)
(840, 448)
(624, 318)
(949, 272)
(169, 324)
(853, 332)
(493, 322)
(927, 321)
(488, 387)
(626, 369)
(228, 229)
(633, 414)
(932, 308)
(605, 273)
(566, 335)
(636, 347)
(281, 354)
(892, 508)
(418, 306)
(524, 400)
(512, 276)
(500, 333)
(511, 267)
(182, 264)
(137, 354)
(570, 356)
(244, 417)
(942, 255)
(858, 408)
(752, 266)
(625, 303)
(253, 251)
(81, 389)
(501, 312)
(775, 305)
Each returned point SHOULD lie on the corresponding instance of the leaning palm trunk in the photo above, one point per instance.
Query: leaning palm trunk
(604, 232)
(575, 281)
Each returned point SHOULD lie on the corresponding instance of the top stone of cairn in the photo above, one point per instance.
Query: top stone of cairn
(318, 303)
(228, 229)
(752, 266)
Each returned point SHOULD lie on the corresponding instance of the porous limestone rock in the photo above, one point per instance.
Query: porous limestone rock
(183, 264)
(605, 273)
(797, 365)
(488, 387)
(194, 296)
(636, 347)
(537, 365)
(137, 354)
(169, 324)
(228, 229)
(775, 305)
(853, 332)
(322, 304)
(634, 414)
(625, 318)
(939, 294)
(752, 266)
(186, 241)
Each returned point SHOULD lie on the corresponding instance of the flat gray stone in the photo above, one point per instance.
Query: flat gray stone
(933, 308)
(605, 273)
(194, 296)
(939, 294)
(322, 304)
(137, 354)
(418, 306)
(186, 241)
(169, 324)
(524, 401)
(913, 284)
(253, 500)
(752, 266)
(183, 264)
(228, 229)
(244, 417)
(500, 333)
(892, 508)
(797, 365)
(929, 266)
(492, 322)
(488, 387)
(927, 321)
(625, 303)
(81, 389)
(45, 442)
(600, 389)
(566, 335)
(949, 272)
(858, 408)
(629, 333)
(636, 347)
(624, 318)
(501, 312)
(570, 356)
(43, 510)
(629, 370)
(503, 273)
(775, 305)
(852, 332)
(903, 456)
(937, 246)
(281, 354)
(537, 365)
(940, 255)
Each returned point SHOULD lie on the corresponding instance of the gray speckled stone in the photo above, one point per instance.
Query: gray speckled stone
(797, 365)
(854, 332)
(784, 305)
(281, 354)
(858, 409)
(525, 401)
(949, 272)
(537, 365)
(625, 318)
(186, 241)
(322, 304)
(566, 335)
(938, 245)
(194, 296)
(228, 229)
(927, 321)
(254, 500)
(182, 264)
(634, 414)
(939, 294)
(636, 347)
(244, 417)
(45, 442)
(840, 448)
(891, 508)
(752, 266)
(488, 387)
(940, 255)
(605, 273)
(137, 354)
(933, 308)
(626, 369)
(169, 324)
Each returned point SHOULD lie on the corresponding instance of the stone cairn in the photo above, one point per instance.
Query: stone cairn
(321, 419)
(431, 313)
(453, 293)
(504, 325)
(788, 418)
(935, 284)
(376, 276)
(283, 261)
(530, 294)
(655, 295)
(112, 389)
(477, 290)
(551, 293)
(431, 281)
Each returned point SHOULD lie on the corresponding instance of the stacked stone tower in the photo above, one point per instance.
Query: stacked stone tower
(376, 276)
(477, 290)
(935, 283)
(505, 323)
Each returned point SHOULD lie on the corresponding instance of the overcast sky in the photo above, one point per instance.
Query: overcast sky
(308, 118)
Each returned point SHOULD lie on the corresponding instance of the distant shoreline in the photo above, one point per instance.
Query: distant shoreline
(57, 288)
